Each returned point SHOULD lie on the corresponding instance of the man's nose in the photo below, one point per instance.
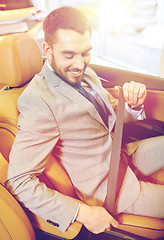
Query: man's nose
(78, 62)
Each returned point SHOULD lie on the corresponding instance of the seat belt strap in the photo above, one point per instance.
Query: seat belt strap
(115, 157)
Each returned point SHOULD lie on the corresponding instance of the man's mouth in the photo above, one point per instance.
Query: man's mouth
(76, 73)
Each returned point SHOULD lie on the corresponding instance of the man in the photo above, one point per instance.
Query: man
(55, 118)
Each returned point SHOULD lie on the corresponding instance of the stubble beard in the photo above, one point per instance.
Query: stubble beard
(63, 76)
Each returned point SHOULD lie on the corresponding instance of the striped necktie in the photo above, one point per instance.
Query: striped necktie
(94, 98)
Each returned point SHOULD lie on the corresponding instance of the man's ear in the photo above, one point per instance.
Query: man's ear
(47, 50)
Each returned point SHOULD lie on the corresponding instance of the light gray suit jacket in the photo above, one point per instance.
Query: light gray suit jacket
(55, 118)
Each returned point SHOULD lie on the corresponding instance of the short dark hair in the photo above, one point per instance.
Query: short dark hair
(64, 18)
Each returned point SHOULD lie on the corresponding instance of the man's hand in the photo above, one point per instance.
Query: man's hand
(95, 219)
(134, 93)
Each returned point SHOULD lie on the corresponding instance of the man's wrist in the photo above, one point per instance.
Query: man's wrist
(82, 213)
(137, 112)
(136, 108)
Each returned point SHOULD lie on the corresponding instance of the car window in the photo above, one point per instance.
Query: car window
(12, 4)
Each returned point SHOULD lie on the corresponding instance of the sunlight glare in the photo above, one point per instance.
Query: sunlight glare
(114, 14)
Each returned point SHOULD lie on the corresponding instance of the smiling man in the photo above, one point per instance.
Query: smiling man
(66, 112)
(69, 47)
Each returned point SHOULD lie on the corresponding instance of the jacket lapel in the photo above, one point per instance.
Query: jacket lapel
(55, 83)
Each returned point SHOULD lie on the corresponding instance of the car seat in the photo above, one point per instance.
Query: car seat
(20, 60)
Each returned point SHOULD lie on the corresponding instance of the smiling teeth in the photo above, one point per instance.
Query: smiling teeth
(76, 72)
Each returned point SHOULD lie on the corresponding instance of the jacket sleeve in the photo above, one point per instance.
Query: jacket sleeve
(37, 135)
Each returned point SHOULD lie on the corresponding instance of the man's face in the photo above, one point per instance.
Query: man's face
(70, 55)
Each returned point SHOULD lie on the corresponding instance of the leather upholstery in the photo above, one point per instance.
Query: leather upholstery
(14, 223)
(20, 60)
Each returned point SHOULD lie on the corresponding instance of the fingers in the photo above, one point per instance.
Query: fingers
(134, 93)
(95, 219)
(114, 223)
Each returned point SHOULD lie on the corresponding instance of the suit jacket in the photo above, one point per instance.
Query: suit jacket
(55, 118)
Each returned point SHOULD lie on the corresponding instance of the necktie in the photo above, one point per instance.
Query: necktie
(104, 113)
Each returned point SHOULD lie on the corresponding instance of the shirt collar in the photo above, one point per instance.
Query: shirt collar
(49, 66)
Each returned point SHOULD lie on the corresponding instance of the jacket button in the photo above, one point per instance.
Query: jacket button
(53, 223)
(56, 224)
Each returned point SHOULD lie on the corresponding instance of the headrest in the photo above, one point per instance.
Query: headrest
(20, 59)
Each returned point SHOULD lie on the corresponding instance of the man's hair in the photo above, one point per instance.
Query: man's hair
(64, 18)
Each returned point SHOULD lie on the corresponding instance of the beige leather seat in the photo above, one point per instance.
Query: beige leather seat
(20, 61)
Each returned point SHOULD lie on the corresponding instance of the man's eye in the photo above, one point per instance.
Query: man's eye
(69, 56)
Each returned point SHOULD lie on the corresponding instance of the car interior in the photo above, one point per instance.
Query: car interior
(20, 60)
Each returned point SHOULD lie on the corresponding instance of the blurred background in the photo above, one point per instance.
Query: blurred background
(127, 34)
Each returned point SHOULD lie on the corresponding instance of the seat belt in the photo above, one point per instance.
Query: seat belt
(114, 181)
(113, 177)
